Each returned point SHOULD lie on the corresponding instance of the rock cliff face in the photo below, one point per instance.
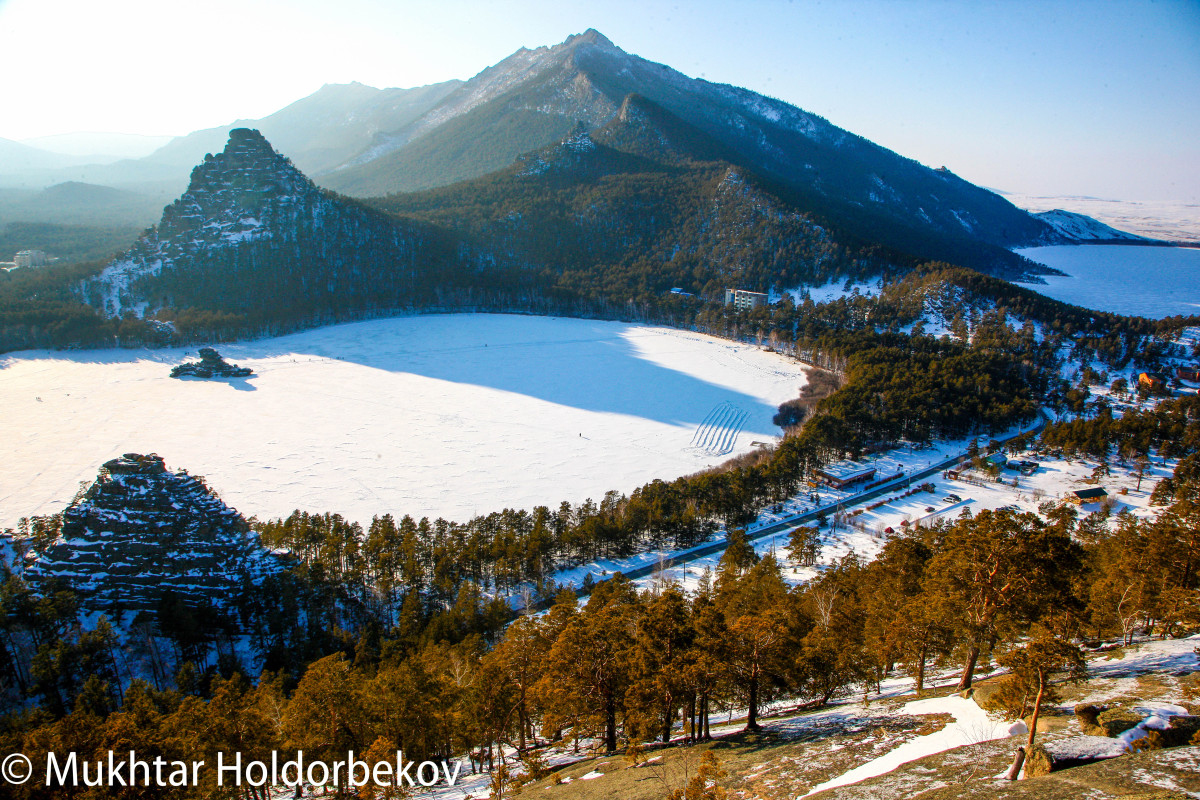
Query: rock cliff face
(140, 531)
(254, 236)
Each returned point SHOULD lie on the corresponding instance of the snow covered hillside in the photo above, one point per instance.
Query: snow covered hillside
(438, 415)
(1172, 222)
(1082, 228)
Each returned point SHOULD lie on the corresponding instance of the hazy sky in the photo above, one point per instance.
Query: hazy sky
(1088, 97)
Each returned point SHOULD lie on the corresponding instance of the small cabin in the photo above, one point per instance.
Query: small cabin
(1152, 380)
(1190, 374)
(1082, 496)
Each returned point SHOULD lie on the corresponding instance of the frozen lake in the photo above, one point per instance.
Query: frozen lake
(446, 415)
(1153, 282)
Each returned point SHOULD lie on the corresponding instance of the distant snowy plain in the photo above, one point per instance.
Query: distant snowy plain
(447, 415)
(1152, 282)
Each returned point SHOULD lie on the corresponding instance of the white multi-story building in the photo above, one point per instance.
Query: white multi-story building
(743, 300)
(30, 258)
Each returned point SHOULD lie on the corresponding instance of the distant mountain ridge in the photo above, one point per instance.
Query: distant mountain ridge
(320, 131)
(533, 98)
(1076, 227)
(372, 142)
(99, 148)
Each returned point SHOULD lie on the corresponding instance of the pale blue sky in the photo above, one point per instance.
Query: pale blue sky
(1091, 98)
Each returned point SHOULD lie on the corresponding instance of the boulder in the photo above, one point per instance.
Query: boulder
(1116, 721)
(1087, 713)
(1073, 752)
(210, 365)
(1180, 730)
(986, 694)
(1050, 720)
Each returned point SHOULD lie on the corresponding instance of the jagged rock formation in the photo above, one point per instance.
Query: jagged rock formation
(140, 531)
(210, 365)
(253, 236)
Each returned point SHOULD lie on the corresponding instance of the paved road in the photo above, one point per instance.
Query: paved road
(697, 553)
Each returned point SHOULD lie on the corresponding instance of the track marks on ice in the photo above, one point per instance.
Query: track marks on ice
(717, 433)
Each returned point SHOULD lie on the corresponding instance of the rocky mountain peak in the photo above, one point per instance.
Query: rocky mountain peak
(590, 36)
(141, 531)
(253, 235)
(246, 193)
(633, 110)
(135, 464)
(248, 164)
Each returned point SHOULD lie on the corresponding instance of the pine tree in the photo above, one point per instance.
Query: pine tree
(1030, 669)
(757, 636)
(995, 571)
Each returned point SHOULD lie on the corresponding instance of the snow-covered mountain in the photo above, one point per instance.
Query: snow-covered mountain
(536, 97)
(369, 142)
(1164, 221)
(1077, 227)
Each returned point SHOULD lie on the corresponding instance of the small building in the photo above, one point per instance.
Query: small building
(1152, 380)
(1191, 373)
(743, 300)
(678, 291)
(1081, 496)
(845, 474)
(30, 258)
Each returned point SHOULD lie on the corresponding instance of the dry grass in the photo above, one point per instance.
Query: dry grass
(777, 764)
(795, 754)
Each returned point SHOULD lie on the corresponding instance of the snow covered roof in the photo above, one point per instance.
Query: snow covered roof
(846, 471)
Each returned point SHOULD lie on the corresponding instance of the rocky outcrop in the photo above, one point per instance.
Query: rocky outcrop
(141, 531)
(210, 365)
(253, 235)
(1073, 752)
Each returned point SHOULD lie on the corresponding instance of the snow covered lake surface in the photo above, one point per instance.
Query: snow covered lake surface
(448, 415)
(1152, 282)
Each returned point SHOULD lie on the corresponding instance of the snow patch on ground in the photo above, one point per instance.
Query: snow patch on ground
(971, 725)
(834, 290)
(1082, 227)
